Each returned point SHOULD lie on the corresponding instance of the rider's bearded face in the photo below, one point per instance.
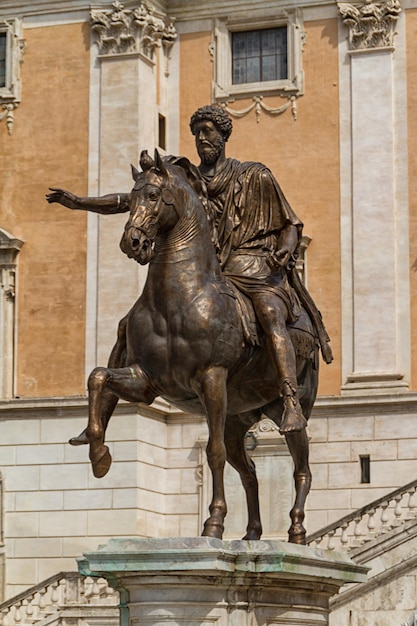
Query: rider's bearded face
(209, 141)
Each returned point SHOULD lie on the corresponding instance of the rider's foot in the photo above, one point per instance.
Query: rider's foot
(293, 419)
(81, 440)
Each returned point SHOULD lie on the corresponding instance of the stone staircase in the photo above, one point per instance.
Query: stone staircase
(371, 521)
(382, 535)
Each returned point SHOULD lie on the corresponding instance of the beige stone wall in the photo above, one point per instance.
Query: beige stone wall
(48, 147)
(54, 508)
(159, 484)
(411, 15)
(340, 433)
(302, 153)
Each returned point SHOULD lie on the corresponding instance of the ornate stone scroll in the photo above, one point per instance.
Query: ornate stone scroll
(8, 114)
(142, 29)
(371, 24)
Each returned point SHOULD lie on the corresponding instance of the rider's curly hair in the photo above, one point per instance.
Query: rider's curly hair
(215, 114)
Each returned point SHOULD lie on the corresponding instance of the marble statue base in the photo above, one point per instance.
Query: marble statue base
(204, 581)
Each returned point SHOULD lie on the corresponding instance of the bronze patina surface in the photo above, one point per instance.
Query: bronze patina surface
(228, 329)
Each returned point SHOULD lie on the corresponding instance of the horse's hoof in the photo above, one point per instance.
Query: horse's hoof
(213, 530)
(102, 465)
(297, 535)
(81, 440)
(252, 536)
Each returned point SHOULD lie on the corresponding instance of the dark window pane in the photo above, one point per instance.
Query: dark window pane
(239, 71)
(269, 41)
(253, 73)
(3, 41)
(259, 55)
(253, 41)
(239, 45)
(269, 68)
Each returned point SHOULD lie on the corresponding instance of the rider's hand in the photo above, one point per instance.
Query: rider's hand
(279, 259)
(66, 198)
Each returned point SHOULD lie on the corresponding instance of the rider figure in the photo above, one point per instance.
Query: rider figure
(257, 235)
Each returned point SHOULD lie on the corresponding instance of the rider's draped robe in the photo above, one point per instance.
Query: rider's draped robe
(250, 212)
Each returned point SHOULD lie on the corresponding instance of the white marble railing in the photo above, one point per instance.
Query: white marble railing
(62, 597)
(369, 522)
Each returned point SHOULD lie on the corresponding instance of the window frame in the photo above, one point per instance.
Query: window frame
(6, 34)
(10, 93)
(223, 87)
(10, 247)
(260, 55)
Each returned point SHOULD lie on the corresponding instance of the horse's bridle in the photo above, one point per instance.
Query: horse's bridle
(167, 197)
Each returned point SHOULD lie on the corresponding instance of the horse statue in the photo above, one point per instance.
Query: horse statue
(183, 341)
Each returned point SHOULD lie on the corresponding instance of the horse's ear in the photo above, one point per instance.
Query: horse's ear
(135, 172)
(146, 162)
(160, 165)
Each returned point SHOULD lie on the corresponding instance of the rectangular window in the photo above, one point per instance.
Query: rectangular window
(162, 132)
(365, 461)
(3, 59)
(259, 55)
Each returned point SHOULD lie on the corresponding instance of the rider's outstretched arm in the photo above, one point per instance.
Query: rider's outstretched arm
(106, 205)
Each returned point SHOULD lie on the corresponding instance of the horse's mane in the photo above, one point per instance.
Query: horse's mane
(197, 183)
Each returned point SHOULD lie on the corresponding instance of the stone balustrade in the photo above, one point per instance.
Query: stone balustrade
(61, 597)
(371, 521)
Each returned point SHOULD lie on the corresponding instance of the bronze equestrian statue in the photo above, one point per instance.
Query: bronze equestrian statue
(199, 347)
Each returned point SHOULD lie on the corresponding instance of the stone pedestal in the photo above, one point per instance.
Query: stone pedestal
(203, 581)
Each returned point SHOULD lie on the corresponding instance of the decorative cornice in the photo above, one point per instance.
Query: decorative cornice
(371, 24)
(142, 29)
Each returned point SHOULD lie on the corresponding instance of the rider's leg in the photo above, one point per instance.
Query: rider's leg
(272, 314)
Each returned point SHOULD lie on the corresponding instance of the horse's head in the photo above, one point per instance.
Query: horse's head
(157, 202)
(151, 209)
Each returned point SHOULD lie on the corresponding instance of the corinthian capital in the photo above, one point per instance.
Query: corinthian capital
(371, 24)
(141, 29)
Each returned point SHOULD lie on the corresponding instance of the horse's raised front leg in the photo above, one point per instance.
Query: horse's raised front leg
(128, 383)
(109, 400)
(213, 396)
(298, 445)
(238, 458)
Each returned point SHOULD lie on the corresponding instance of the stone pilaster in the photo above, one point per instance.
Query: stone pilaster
(374, 201)
(130, 65)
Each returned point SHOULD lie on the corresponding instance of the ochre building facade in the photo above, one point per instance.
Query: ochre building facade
(338, 129)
